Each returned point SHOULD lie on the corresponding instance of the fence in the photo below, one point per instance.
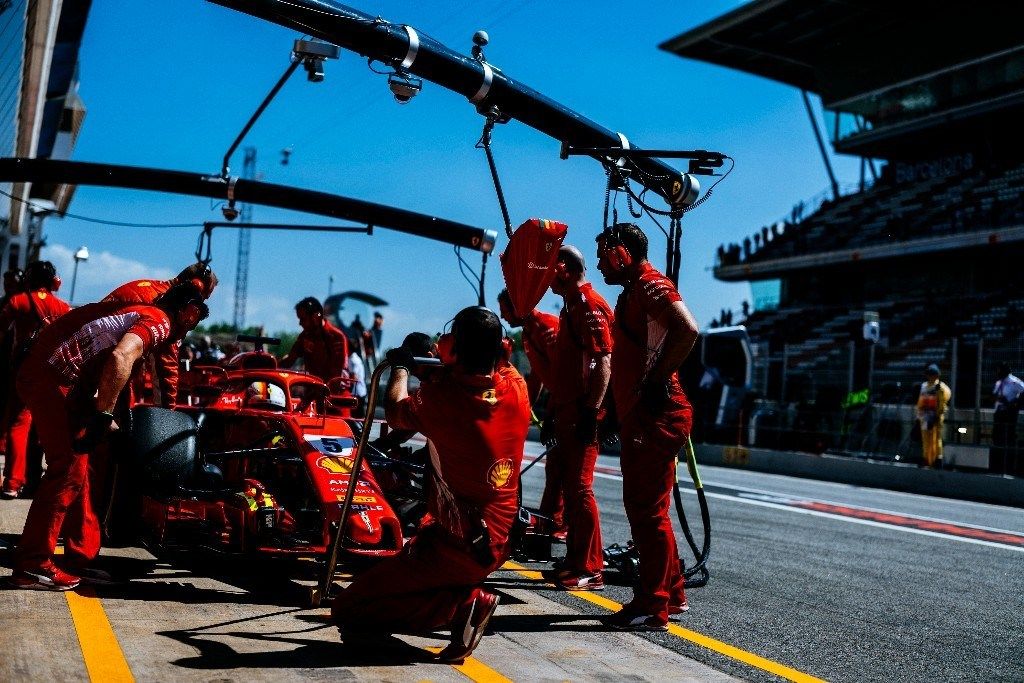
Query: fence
(832, 394)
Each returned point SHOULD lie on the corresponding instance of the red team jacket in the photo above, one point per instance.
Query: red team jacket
(478, 426)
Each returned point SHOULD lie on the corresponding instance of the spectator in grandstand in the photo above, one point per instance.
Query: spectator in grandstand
(746, 247)
(1008, 391)
(746, 309)
(932, 401)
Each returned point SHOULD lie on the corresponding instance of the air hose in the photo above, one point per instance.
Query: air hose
(696, 575)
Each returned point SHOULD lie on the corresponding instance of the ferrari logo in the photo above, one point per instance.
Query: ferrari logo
(490, 396)
(677, 187)
(499, 473)
(335, 464)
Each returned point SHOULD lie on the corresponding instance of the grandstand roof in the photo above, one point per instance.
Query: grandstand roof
(839, 49)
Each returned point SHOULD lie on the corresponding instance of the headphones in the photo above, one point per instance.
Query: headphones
(446, 348)
(447, 343)
(45, 271)
(615, 252)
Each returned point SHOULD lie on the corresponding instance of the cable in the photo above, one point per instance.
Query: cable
(101, 221)
(463, 267)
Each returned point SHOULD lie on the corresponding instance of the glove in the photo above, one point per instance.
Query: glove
(654, 395)
(586, 425)
(547, 431)
(99, 425)
(400, 357)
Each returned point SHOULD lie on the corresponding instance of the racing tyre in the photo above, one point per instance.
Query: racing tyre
(161, 450)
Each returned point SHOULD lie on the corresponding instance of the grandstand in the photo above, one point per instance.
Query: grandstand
(931, 242)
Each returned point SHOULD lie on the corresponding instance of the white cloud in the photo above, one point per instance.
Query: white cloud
(98, 276)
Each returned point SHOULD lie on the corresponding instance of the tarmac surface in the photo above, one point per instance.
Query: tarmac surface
(809, 580)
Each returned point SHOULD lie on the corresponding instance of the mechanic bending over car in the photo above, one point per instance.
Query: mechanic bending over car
(580, 379)
(654, 333)
(27, 312)
(322, 347)
(475, 414)
(165, 366)
(540, 338)
(71, 381)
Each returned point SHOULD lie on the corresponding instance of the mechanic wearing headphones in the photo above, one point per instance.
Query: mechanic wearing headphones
(166, 367)
(654, 332)
(322, 346)
(71, 381)
(579, 382)
(28, 312)
(475, 414)
(540, 337)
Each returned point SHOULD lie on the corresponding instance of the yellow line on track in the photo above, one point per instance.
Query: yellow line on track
(718, 646)
(103, 657)
(102, 653)
(475, 670)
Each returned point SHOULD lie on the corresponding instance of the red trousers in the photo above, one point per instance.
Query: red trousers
(650, 444)
(552, 503)
(61, 505)
(416, 591)
(18, 426)
(583, 549)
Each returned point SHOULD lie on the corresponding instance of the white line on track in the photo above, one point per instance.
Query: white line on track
(842, 518)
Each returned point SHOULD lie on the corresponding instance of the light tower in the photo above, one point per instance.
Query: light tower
(244, 239)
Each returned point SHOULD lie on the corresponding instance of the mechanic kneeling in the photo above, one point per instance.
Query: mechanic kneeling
(475, 415)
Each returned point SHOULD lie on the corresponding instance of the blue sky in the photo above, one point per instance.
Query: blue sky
(169, 85)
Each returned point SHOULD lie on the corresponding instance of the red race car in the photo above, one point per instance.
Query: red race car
(256, 460)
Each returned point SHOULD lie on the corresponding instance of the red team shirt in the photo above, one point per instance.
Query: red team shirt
(584, 332)
(146, 292)
(540, 339)
(75, 346)
(325, 353)
(29, 311)
(139, 291)
(478, 426)
(639, 338)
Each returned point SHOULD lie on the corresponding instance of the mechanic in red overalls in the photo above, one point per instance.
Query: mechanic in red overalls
(322, 347)
(475, 414)
(654, 332)
(579, 381)
(540, 338)
(27, 312)
(71, 381)
(166, 362)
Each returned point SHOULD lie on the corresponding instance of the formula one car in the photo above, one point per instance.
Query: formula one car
(256, 460)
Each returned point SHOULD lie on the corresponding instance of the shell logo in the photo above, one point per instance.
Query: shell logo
(335, 464)
(500, 473)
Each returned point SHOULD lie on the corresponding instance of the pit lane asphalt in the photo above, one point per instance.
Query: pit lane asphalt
(842, 600)
(835, 599)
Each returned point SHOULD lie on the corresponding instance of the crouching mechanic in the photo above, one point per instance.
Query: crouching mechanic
(165, 363)
(71, 381)
(475, 414)
(654, 332)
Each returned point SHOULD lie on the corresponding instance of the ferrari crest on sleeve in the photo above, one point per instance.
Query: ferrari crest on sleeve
(490, 396)
(499, 473)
